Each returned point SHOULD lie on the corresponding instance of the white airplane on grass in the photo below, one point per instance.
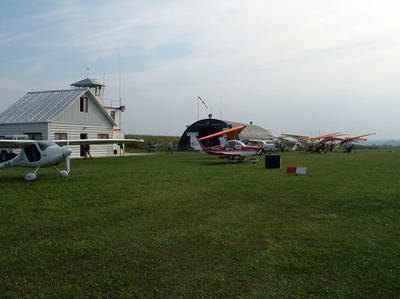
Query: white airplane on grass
(40, 153)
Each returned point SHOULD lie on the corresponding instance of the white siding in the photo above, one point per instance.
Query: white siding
(73, 114)
(11, 129)
(75, 130)
(118, 115)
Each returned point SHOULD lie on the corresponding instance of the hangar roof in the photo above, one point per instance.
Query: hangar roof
(250, 132)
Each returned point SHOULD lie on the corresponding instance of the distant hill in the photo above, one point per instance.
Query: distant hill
(381, 142)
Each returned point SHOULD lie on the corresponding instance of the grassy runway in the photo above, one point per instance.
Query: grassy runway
(191, 225)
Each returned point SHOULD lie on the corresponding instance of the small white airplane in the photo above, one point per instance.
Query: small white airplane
(267, 145)
(46, 153)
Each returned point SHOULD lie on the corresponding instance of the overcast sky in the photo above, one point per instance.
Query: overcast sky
(293, 66)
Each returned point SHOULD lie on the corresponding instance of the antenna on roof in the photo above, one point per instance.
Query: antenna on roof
(119, 79)
(220, 112)
(87, 71)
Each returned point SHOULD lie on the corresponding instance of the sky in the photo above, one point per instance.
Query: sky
(305, 67)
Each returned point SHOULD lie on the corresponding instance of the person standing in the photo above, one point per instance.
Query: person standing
(86, 149)
(170, 148)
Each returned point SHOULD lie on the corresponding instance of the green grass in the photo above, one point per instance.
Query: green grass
(160, 141)
(191, 225)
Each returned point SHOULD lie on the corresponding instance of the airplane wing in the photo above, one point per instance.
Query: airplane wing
(357, 138)
(96, 141)
(295, 136)
(322, 137)
(231, 133)
(255, 140)
(331, 139)
(16, 143)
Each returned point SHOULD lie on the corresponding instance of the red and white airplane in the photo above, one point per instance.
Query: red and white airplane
(232, 149)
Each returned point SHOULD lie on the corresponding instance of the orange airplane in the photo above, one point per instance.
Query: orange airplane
(302, 140)
(343, 141)
(234, 150)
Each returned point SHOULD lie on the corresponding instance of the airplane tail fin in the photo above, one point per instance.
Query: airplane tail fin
(201, 148)
(195, 143)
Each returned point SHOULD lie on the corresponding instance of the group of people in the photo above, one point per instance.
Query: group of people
(329, 147)
(152, 147)
(280, 147)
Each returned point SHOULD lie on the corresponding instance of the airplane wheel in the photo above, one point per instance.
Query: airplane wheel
(30, 177)
(63, 173)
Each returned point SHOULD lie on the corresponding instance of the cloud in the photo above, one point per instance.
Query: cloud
(272, 62)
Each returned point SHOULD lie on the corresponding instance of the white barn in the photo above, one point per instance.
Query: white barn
(76, 113)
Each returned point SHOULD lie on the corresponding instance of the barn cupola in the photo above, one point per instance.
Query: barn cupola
(95, 87)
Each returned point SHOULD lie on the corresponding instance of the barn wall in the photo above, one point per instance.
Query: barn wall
(94, 115)
(74, 131)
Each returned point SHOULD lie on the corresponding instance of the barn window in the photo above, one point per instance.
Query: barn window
(34, 136)
(60, 136)
(113, 115)
(84, 101)
(103, 136)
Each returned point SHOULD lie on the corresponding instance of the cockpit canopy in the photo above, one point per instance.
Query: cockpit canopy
(234, 144)
(43, 145)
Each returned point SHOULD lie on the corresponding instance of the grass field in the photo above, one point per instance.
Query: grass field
(160, 141)
(191, 225)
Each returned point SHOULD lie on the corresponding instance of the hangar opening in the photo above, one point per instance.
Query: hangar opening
(209, 126)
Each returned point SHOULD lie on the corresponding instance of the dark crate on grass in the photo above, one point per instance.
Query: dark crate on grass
(272, 161)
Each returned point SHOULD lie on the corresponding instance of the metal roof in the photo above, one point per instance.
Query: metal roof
(87, 83)
(42, 106)
(250, 132)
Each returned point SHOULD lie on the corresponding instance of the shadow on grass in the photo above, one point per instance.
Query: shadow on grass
(205, 162)
(12, 179)
(220, 163)
(20, 178)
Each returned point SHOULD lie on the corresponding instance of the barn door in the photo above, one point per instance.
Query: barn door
(83, 136)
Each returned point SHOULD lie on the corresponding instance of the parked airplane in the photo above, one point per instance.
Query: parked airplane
(40, 154)
(301, 141)
(297, 145)
(234, 150)
(343, 141)
(267, 145)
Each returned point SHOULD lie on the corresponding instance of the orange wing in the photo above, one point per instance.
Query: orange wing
(322, 136)
(358, 138)
(294, 136)
(231, 133)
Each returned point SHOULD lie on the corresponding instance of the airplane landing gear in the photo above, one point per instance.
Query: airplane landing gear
(31, 176)
(63, 173)
(236, 159)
